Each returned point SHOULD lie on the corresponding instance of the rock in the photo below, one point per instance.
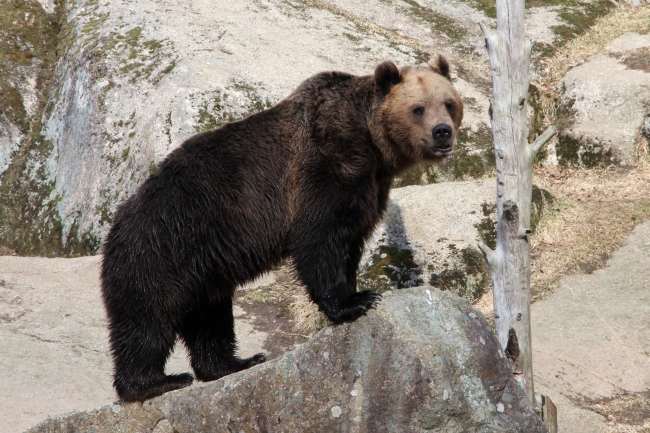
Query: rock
(628, 42)
(26, 38)
(136, 78)
(430, 234)
(416, 363)
(598, 351)
(604, 105)
(133, 79)
(54, 354)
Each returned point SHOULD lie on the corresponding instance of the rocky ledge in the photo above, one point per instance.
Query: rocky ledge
(425, 360)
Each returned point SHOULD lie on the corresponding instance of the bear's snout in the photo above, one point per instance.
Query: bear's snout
(442, 136)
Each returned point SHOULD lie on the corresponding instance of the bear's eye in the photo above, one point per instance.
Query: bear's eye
(418, 111)
(449, 106)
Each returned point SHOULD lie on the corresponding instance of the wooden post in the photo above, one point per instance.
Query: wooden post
(509, 264)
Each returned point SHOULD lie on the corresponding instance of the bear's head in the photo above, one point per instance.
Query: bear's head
(420, 110)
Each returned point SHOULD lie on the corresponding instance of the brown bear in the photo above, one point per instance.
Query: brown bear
(306, 179)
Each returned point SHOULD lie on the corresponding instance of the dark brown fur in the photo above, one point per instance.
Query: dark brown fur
(307, 179)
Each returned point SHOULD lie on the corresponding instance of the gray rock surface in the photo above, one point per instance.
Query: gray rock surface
(27, 38)
(423, 360)
(430, 234)
(591, 337)
(133, 79)
(136, 78)
(432, 230)
(606, 100)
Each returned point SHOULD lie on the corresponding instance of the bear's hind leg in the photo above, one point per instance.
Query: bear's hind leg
(140, 355)
(209, 335)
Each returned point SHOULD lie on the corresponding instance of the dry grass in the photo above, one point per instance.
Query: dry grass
(597, 211)
(597, 208)
(593, 41)
(307, 320)
(629, 413)
(578, 50)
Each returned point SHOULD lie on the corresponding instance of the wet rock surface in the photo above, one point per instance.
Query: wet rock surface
(423, 360)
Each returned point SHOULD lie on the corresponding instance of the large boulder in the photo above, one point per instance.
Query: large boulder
(429, 235)
(424, 360)
(604, 105)
(136, 78)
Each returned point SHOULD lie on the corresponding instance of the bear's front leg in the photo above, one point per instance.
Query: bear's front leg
(328, 268)
(346, 307)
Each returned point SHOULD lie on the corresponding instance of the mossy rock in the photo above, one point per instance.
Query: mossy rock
(575, 152)
(391, 268)
(464, 274)
(29, 223)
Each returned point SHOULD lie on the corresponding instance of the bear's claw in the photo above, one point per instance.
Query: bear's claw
(253, 360)
(354, 306)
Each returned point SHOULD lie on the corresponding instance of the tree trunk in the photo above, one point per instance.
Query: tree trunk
(509, 264)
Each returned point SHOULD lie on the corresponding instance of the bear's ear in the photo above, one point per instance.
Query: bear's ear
(387, 75)
(440, 65)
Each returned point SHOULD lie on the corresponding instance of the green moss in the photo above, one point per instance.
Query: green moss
(27, 224)
(138, 59)
(487, 227)
(439, 23)
(257, 103)
(574, 152)
(152, 45)
(421, 174)
(536, 125)
(11, 105)
(152, 168)
(29, 37)
(593, 155)
(125, 153)
(104, 212)
(215, 112)
(390, 268)
(541, 201)
(468, 277)
(353, 38)
(473, 157)
(577, 17)
(133, 36)
(77, 243)
(169, 68)
(488, 7)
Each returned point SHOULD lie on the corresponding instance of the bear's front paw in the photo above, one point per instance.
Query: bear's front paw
(354, 306)
(253, 360)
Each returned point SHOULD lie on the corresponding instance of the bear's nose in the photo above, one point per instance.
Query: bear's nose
(442, 132)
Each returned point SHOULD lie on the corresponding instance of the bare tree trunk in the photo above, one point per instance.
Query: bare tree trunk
(509, 264)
